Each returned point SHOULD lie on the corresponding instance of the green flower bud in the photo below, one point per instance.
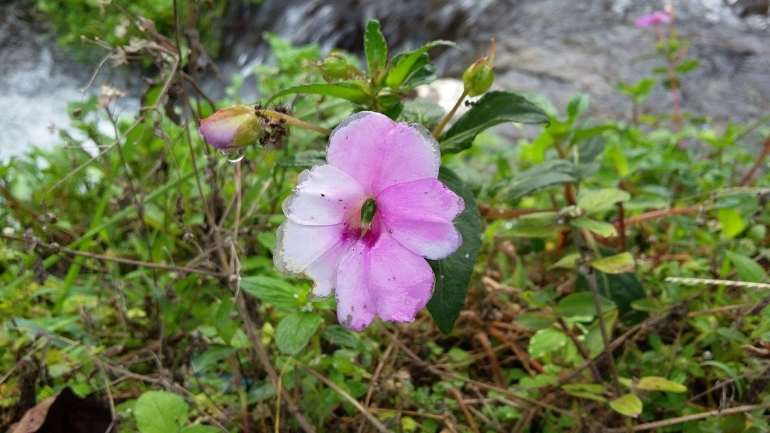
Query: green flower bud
(334, 68)
(367, 215)
(478, 78)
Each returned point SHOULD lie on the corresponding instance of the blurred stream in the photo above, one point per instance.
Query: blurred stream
(553, 47)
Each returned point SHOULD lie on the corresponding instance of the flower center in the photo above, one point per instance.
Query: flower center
(368, 210)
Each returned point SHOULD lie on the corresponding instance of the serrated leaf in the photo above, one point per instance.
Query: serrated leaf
(601, 228)
(748, 270)
(454, 272)
(294, 331)
(492, 109)
(602, 199)
(628, 405)
(160, 412)
(657, 383)
(582, 304)
(353, 92)
(404, 63)
(375, 47)
(617, 264)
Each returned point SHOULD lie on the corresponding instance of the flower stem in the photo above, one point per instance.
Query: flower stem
(294, 121)
(448, 117)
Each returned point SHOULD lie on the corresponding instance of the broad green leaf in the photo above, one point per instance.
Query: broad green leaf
(546, 341)
(540, 225)
(211, 356)
(535, 321)
(748, 270)
(569, 261)
(582, 304)
(593, 341)
(617, 264)
(294, 331)
(601, 228)
(549, 173)
(628, 405)
(160, 412)
(602, 199)
(587, 395)
(274, 291)
(454, 272)
(375, 47)
(353, 92)
(657, 383)
(492, 109)
(732, 223)
(589, 149)
(404, 62)
(648, 304)
(622, 289)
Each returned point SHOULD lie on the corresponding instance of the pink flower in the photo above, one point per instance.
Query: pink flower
(362, 224)
(231, 128)
(654, 19)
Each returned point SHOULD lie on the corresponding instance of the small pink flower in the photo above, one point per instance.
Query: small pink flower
(231, 128)
(654, 19)
(362, 224)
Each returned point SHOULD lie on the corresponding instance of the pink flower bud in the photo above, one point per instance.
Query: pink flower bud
(231, 128)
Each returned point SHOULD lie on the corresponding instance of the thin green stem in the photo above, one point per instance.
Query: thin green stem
(450, 115)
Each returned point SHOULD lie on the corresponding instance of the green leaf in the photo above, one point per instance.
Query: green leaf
(577, 106)
(549, 173)
(617, 264)
(582, 304)
(628, 405)
(539, 225)
(492, 109)
(732, 223)
(546, 341)
(657, 383)
(353, 92)
(404, 63)
(160, 412)
(454, 272)
(423, 111)
(688, 65)
(591, 391)
(748, 270)
(272, 291)
(601, 228)
(294, 331)
(602, 199)
(375, 47)
(535, 321)
(567, 262)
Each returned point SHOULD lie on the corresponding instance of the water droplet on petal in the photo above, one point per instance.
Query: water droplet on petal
(234, 155)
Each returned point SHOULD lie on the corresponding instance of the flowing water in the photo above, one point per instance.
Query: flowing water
(553, 47)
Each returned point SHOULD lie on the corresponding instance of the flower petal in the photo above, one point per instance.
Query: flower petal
(419, 216)
(379, 152)
(400, 282)
(298, 246)
(355, 308)
(323, 271)
(324, 196)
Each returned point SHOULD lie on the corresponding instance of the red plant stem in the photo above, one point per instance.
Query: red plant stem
(501, 214)
(622, 227)
(765, 151)
(652, 215)
(672, 79)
